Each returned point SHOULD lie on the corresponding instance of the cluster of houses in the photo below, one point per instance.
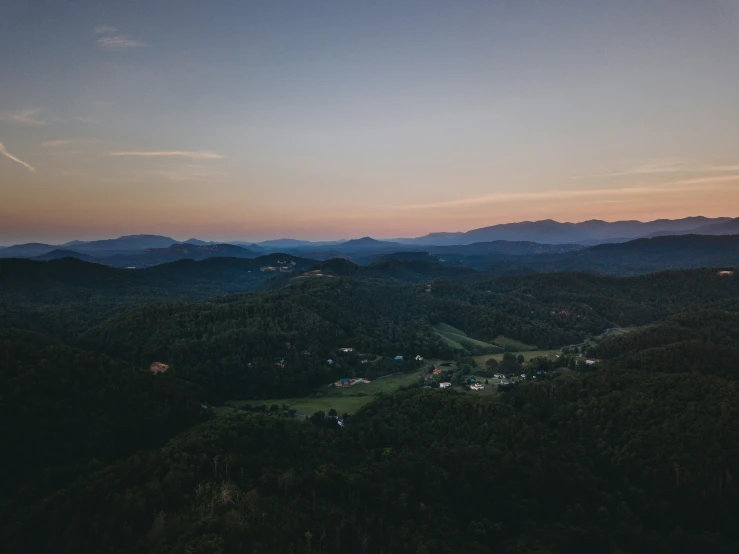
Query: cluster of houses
(477, 386)
(284, 267)
(347, 382)
(418, 358)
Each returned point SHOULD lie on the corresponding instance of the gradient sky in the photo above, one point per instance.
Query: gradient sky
(331, 119)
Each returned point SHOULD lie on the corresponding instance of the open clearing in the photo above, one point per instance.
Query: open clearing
(512, 344)
(456, 338)
(343, 400)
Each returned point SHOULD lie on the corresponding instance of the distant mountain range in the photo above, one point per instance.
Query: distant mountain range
(587, 232)
(478, 248)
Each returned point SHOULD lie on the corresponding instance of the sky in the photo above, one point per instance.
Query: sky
(330, 119)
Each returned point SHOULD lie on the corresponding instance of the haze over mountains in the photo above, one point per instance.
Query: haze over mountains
(518, 247)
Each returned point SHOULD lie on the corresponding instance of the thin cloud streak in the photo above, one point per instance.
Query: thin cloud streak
(104, 29)
(683, 185)
(55, 143)
(119, 42)
(7, 154)
(669, 166)
(24, 117)
(202, 155)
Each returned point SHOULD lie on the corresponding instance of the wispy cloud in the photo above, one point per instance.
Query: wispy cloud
(24, 117)
(201, 155)
(104, 29)
(653, 167)
(55, 143)
(7, 154)
(119, 42)
(665, 166)
(631, 192)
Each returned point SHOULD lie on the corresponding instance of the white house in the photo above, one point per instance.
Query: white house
(419, 358)
(591, 362)
(444, 385)
(347, 350)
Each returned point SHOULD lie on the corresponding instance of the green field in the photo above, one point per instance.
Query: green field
(513, 344)
(456, 338)
(343, 400)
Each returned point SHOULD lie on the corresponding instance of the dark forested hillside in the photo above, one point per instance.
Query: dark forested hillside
(68, 411)
(633, 455)
(622, 468)
(702, 341)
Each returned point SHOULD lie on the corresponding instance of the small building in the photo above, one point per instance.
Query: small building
(268, 268)
(344, 382)
(398, 358)
(437, 372)
(330, 362)
(364, 361)
(477, 386)
(591, 362)
(419, 358)
(444, 385)
(158, 367)
(346, 350)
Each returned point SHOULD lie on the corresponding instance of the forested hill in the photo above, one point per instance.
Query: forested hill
(633, 455)
(212, 342)
(701, 341)
(608, 464)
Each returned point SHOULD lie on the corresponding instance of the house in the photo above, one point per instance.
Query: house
(726, 273)
(477, 386)
(419, 358)
(330, 362)
(498, 376)
(158, 367)
(286, 269)
(268, 268)
(399, 358)
(346, 350)
(364, 361)
(591, 362)
(345, 382)
(444, 385)
(523, 375)
(437, 372)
